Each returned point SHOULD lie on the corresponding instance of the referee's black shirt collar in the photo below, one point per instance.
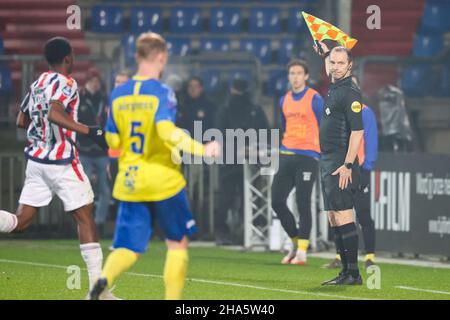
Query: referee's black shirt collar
(342, 82)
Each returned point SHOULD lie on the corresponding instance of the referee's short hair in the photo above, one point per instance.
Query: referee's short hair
(343, 49)
(297, 62)
(56, 49)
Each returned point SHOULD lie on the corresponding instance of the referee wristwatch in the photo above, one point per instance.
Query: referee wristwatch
(348, 165)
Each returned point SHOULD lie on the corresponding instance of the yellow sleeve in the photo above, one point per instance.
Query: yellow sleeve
(176, 137)
(113, 140)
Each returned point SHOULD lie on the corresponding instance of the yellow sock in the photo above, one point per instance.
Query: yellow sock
(338, 257)
(303, 244)
(175, 273)
(370, 256)
(294, 241)
(120, 260)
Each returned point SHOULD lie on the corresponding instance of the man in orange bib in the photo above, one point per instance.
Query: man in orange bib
(301, 113)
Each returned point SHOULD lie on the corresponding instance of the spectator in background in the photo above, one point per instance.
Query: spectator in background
(196, 107)
(92, 112)
(113, 166)
(239, 113)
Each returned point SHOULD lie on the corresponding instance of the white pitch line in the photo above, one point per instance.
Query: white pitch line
(422, 290)
(232, 284)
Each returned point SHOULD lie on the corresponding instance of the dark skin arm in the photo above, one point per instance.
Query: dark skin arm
(59, 116)
(23, 120)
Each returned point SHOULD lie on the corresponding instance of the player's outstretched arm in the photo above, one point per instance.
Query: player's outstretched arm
(59, 116)
(176, 137)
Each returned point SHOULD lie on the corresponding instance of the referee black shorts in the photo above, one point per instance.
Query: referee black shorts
(334, 198)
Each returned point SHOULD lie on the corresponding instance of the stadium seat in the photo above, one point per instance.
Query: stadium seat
(436, 17)
(226, 20)
(427, 45)
(416, 81)
(129, 45)
(296, 23)
(185, 20)
(265, 20)
(2, 48)
(5, 79)
(215, 45)
(144, 19)
(444, 83)
(277, 83)
(261, 48)
(287, 51)
(107, 19)
(211, 79)
(178, 46)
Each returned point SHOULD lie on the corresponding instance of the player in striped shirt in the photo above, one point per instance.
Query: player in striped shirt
(49, 112)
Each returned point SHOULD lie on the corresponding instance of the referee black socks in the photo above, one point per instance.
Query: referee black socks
(340, 248)
(349, 236)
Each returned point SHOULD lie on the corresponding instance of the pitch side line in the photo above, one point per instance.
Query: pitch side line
(422, 290)
(232, 284)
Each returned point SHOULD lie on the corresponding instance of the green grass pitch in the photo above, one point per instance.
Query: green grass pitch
(38, 270)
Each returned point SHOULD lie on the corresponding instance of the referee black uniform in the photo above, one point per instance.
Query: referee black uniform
(342, 115)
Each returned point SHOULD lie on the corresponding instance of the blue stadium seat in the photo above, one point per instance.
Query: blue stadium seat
(286, 51)
(185, 20)
(107, 19)
(129, 45)
(178, 46)
(427, 45)
(444, 83)
(296, 23)
(211, 79)
(277, 83)
(5, 79)
(265, 20)
(261, 48)
(226, 20)
(436, 16)
(144, 19)
(417, 81)
(2, 48)
(215, 45)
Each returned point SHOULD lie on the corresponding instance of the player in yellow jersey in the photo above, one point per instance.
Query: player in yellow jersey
(149, 184)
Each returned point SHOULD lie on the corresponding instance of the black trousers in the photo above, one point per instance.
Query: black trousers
(297, 171)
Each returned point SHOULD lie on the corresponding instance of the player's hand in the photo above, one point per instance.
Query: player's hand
(345, 176)
(324, 49)
(97, 135)
(212, 149)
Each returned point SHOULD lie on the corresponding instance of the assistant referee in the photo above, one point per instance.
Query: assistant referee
(341, 131)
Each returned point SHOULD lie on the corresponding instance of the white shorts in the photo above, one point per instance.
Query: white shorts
(68, 182)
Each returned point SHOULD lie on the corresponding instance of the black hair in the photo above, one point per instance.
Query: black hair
(297, 62)
(196, 78)
(56, 49)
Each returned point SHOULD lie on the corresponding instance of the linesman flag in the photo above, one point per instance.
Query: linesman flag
(321, 30)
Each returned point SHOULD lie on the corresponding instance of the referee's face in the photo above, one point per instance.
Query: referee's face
(339, 65)
(297, 78)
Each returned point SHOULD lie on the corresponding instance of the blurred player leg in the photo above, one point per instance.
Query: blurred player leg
(305, 178)
(175, 268)
(282, 185)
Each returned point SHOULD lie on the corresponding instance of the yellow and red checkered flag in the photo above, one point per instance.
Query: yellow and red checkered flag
(321, 30)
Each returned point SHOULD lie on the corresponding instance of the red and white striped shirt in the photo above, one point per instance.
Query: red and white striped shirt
(48, 142)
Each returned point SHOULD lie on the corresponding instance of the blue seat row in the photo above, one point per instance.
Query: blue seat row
(110, 19)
